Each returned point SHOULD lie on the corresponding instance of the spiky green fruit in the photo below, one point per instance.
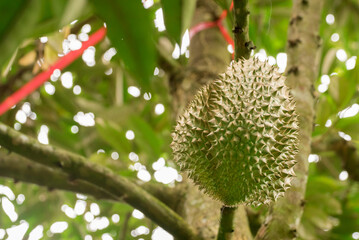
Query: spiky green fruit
(237, 139)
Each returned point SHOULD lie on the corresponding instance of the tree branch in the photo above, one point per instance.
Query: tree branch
(21, 169)
(124, 229)
(302, 69)
(165, 60)
(78, 168)
(7, 87)
(345, 150)
(353, 6)
(18, 168)
(242, 44)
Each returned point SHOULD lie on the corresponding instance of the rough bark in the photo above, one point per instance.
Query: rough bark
(302, 69)
(18, 168)
(208, 57)
(77, 167)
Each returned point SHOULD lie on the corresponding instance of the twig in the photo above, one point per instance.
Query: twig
(123, 232)
(7, 87)
(345, 150)
(226, 230)
(166, 61)
(266, 3)
(77, 167)
(352, 6)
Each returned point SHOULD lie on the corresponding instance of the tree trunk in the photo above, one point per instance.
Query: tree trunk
(302, 69)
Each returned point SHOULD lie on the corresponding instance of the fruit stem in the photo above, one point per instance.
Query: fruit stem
(242, 45)
(226, 230)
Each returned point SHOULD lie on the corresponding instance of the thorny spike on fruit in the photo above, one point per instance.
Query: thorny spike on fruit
(241, 147)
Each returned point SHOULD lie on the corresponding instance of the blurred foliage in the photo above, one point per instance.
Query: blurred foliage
(332, 206)
(177, 15)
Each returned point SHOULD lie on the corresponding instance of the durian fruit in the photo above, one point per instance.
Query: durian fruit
(237, 139)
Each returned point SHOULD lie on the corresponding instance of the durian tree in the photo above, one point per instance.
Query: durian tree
(188, 120)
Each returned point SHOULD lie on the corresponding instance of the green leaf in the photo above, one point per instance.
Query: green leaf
(177, 15)
(172, 17)
(146, 136)
(130, 29)
(323, 184)
(328, 60)
(188, 8)
(343, 87)
(15, 15)
(72, 10)
(349, 125)
(326, 202)
(36, 212)
(25, 19)
(326, 108)
(57, 14)
(320, 218)
(113, 135)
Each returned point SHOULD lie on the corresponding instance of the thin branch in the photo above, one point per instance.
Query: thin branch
(165, 59)
(243, 45)
(352, 6)
(77, 167)
(18, 168)
(302, 70)
(345, 150)
(124, 228)
(348, 154)
(268, 3)
(7, 87)
(226, 230)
